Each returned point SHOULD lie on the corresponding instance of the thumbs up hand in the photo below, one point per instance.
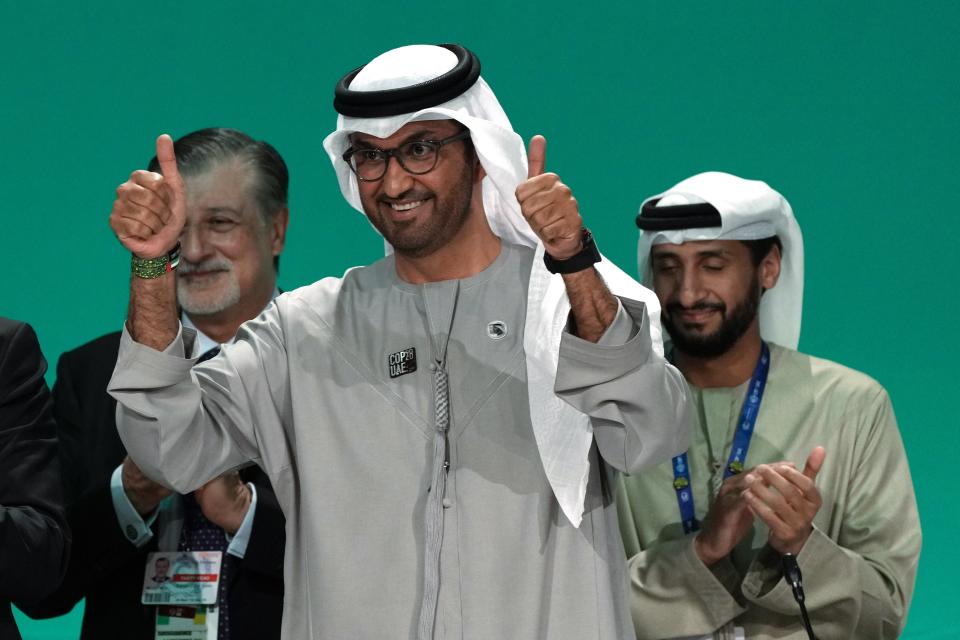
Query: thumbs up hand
(150, 210)
(549, 206)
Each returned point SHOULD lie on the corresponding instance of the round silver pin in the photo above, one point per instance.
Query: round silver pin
(497, 329)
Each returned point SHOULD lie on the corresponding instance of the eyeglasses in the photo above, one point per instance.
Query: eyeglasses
(416, 157)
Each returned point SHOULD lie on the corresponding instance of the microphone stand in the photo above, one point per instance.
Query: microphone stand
(791, 573)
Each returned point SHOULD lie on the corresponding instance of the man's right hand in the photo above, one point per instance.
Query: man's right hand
(144, 494)
(727, 522)
(150, 210)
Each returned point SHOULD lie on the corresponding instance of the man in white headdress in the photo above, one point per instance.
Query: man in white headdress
(443, 426)
(795, 458)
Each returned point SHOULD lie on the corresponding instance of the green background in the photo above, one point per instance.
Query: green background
(848, 108)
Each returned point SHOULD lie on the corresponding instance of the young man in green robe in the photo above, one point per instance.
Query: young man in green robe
(793, 454)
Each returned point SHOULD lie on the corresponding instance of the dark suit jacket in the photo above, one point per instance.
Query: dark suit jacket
(34, 540)
(106, 567)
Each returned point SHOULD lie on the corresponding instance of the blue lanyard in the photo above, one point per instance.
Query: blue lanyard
(738, 451)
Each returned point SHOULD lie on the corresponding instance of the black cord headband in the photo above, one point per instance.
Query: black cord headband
(683, 216)
(392, 102)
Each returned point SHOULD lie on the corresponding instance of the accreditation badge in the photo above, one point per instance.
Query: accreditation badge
(182, 577)
(181, 622)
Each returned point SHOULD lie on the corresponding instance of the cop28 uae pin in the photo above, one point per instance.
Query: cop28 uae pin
(402, 362)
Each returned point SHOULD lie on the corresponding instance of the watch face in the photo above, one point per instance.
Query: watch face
(588, 255)
(589, 246)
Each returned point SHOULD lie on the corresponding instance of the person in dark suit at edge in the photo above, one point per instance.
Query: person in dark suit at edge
(34, 539)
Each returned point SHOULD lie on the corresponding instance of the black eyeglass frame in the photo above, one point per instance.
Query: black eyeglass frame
(394, 153)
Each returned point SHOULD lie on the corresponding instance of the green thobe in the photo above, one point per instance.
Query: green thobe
(858, 565)
(321, 392)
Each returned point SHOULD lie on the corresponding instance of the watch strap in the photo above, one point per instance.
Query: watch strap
(588, 256)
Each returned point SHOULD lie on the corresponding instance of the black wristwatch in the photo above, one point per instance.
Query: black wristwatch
(589, 255)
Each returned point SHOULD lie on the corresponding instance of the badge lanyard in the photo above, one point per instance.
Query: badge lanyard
(738, 451)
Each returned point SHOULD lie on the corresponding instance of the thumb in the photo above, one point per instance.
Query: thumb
(168, 159)
(814, 462)
(536, 156)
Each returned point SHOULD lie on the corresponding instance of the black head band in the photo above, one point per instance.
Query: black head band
(392, 102)
(681, 216)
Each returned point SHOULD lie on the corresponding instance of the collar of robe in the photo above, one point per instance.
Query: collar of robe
(392, 102)
(699, 215)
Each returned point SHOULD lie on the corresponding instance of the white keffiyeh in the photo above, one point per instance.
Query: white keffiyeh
(749, 210)
(563, 435)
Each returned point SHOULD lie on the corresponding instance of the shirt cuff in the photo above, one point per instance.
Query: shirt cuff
(764, 583)
(134, 527)
(240, 540)
(716, 585)
(620, 330)
(624, 347)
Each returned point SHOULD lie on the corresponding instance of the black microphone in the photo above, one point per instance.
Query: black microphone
(791, 573)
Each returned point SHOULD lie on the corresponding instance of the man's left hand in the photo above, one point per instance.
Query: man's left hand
(225, 501)
(549, 205)
(786, 500)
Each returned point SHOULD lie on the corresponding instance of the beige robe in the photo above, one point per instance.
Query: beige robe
(859, 564)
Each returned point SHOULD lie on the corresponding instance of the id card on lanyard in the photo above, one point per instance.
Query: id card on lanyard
(182, 577)
(738, 450)
(184, 586)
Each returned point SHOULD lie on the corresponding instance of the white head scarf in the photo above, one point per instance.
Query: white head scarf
(563, 434)
(749, 210)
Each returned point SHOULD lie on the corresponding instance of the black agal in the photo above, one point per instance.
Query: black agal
(681, 216)
(392, 102)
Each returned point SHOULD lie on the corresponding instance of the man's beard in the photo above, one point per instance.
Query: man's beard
(419, 238)
(732, 326)
(200, 300)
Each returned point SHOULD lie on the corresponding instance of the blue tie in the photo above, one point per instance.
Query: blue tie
(199, 534)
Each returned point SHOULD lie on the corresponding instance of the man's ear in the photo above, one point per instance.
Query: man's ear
(278, 230)
(478, 171)
(770, 268)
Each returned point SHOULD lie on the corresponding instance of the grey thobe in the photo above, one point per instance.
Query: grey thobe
(306, 392)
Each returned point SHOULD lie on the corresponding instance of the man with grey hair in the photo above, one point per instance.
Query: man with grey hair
(227, 276)
(444, 425)
(236, 219)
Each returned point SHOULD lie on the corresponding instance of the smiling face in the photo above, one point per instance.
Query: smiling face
(419, 214)
(227, 247)
(710, 292)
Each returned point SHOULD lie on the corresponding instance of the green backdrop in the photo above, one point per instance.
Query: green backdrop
(849, 109)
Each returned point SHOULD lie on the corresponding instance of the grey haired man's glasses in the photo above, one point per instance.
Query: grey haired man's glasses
(416, 157)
